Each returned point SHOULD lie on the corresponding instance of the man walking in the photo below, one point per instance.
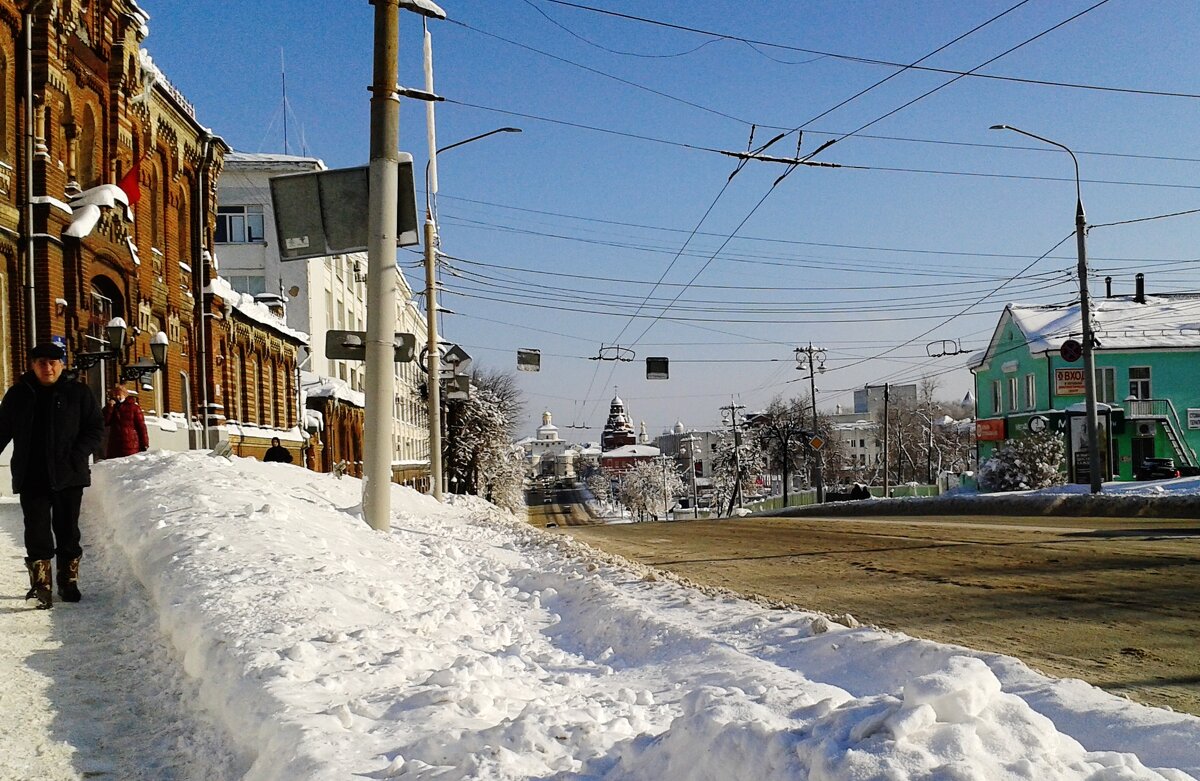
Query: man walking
(126, 424)
(54, 424)
(277, 452)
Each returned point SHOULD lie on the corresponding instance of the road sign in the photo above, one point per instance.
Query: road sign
(322, 213)
(656, 369)
(1071, 351)
(352, 346)
(816, 442)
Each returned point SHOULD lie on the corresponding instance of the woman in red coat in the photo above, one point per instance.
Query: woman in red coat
(126, 426)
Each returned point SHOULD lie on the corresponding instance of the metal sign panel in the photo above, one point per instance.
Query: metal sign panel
(657, 369)
(352, 346)
(325, 213)
(458, 388)
(529, 360)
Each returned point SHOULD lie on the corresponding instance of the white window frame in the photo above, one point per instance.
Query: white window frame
(244, 224)
(1030, 391)
(997, 397)
(1012, 393)
(1106, 384)
(1136, 386)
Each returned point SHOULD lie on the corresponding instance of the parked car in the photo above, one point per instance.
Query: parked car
(1156, 469)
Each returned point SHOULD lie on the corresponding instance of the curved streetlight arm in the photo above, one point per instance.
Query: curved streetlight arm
(428, 195)
(1064, 147)
(481, 135)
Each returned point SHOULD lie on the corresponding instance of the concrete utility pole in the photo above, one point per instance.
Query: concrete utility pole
(813, 361)
(691, 441)
(887, 395)
(1089, 357)
(433, 365)
(731, 415)
(379, 415)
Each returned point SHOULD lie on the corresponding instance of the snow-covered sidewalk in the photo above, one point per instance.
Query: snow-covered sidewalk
(240, 622)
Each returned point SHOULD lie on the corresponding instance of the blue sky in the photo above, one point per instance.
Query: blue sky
(559, 234)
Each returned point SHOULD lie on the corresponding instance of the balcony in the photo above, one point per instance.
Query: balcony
(1155, 409)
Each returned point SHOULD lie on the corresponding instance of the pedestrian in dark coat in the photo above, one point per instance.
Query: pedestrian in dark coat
(277, 452)
(54, 424)
(126, 424)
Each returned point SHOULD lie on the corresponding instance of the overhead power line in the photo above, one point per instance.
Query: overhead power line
(876, 61)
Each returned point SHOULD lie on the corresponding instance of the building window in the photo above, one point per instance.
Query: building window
(1030, 392)
(1106, 385)
(248, 283)
(240, 224)
(1012, 394)
(1139, 382)
(997, 398)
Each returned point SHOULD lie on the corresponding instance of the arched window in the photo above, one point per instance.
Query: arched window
(89, 174)
(155, 209)
(183, 225)
(5, 102)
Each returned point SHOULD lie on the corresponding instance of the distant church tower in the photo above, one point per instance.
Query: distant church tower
(617, 431)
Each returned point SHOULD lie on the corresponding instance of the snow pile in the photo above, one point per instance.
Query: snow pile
(466, 644)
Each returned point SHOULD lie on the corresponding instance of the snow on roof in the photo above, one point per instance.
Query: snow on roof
(1119, 324)
(317, 387)
(272, 161)
(252, 309)
(632, 451)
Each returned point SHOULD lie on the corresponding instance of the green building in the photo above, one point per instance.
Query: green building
(1147, 352)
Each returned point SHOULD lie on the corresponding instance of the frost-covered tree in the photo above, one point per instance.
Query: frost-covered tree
(734, 469)
(650, 487)
(1034, 461)
(599, 482)
(479, 457)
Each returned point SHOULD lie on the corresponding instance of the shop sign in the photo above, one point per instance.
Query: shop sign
(1069, 382)
(1193, 417)
(990, 430)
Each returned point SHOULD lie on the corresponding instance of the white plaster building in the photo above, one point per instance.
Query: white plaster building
(320, 294)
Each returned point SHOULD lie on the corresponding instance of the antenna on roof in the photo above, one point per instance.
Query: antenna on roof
(283, 81)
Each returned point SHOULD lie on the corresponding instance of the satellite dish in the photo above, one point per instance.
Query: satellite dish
(294, 290)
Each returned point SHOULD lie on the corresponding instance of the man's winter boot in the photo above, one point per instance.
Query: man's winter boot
(41, 577)
(32, 585)
(68, 580)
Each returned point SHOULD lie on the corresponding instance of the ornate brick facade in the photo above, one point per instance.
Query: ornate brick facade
(100, 109)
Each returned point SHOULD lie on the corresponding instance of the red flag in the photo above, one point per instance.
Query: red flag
(130, 185)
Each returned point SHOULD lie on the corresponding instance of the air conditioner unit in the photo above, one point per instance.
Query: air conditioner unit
(1146, 429)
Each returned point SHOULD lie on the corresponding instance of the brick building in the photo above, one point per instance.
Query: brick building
(107, 209)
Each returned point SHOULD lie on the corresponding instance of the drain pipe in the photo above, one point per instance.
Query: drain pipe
(30, 265)
(187, 406)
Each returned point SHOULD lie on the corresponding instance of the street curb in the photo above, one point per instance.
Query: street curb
(1067, 505)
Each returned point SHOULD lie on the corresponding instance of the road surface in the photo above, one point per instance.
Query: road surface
(1112, 601)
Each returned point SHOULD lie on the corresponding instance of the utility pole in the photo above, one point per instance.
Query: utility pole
(731, 415)
(887, 395)
(691, 441)
(1089, 358)
(813, 361)
(381, 273)
(383, 194)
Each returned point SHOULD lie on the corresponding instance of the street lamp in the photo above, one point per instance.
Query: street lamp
(1089, 358)
(433, 356)
(115, 335)
(813, 361)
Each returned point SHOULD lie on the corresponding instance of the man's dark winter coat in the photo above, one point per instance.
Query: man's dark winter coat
(74, 430)
(278, 453)
(126, 429)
